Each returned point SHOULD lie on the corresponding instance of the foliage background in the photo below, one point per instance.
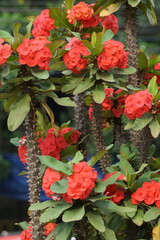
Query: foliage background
(13, 11)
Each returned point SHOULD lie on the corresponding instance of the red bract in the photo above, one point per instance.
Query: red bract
(5, 51)
(22, 150)
(148, 76)
(113, 190)
(73, 137)
(50, 176)
(26, 234)
(48, 228)
(81, 182)
(73, 59)
(113, 56)
(80, 11)
(137, 104)
(111, 22)
(149, 193)
(92, 22)
(34, 52)
(43, 24)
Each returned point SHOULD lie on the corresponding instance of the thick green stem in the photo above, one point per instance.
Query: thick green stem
(80, 121)
(33, 171)
(98, 136)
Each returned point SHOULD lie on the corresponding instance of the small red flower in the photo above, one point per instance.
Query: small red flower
(5, 51)
(111, 22)
(137, 104)
(22, 150)
(43, 24)
(50, 176)
(81, 182)
(73, 59)
(48, 228)
(34, 52)
(26, 234)
(80, 11)
(113, 56)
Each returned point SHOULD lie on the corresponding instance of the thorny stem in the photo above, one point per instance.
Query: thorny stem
(80, 121)
(98, 137)
(33, 171)
(140, 139)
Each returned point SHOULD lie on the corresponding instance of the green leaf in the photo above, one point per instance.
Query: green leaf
(96, 220)
(142, 122)
(133, 3)
(60, 186)
(100, 3)
(18, 112)
(152, 86)
(100, 187)
(59, 17)
(24, 225)
(62, 231)
(151, 16)
(74, 214)
(142, 61)
(84, 85)
(107, 35)
(154, 128)
(56, 44)
(15, 141)
(42, 205)
(18, 37)
(112, 179)
(69, 4)
(126, 71)
(41, 74)
(5, 70)
(125, 166)
(94, 159)
(98, 93)
(129, 125)
(138, 218)
(52, 213)
(105, 76)
(64, 101)
(77, 158)
(56, 164)
(129, 204)
(151, 214)
(109, 234)
(6, 36)
(58, 66)
(93, 39)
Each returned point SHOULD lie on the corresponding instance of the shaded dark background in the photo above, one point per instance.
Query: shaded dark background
(13, 189)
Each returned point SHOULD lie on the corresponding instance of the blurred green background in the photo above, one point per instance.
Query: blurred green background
(11, 12)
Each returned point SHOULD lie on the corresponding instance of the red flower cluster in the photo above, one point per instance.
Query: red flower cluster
(5, 51)
(81, 182)
(27, 235)
(137, 104)
(53, 144)
(111, 102)
(80, 11)
(73, 59)
(50, 176)
(113, 56)
(113, 190)
(34, 52)
(149, 193)
(43, 24)
(111, 22)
